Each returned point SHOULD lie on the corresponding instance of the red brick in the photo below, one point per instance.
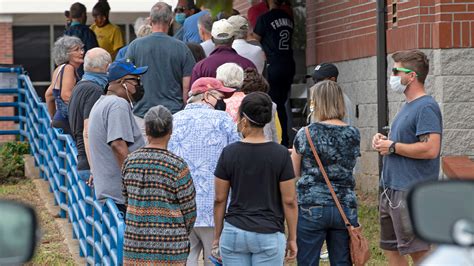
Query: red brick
(470, 8)
(464, 16)
(427, 2)
(408, 12)
(427, 19)
(452, 8)
(420, 35)
(456, 34)
(471, 35)
(465, 37)
(443, 17)
(408, 21)
(443, 1)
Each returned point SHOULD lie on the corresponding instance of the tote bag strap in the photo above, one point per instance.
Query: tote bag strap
(331, 189)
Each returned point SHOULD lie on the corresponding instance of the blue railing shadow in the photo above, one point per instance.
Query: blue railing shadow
(98, 227)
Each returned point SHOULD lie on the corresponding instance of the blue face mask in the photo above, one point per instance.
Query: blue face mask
(180, 17)
(99, 78)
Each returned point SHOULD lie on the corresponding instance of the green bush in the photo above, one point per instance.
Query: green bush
(11, 160)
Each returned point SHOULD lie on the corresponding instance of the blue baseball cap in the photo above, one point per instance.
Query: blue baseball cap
(123, 67)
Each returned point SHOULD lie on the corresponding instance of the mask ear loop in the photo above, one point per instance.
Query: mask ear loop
(128, 95)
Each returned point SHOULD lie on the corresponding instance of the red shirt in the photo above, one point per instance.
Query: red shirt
(255, 11)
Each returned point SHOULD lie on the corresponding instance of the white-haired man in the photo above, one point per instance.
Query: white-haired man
(86, 92)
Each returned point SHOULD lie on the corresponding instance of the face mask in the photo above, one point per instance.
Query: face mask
(220, 105)
(396, 84)
(139, 92)
(180, 17)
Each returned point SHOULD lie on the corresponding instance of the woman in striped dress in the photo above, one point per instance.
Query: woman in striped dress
(159, 194)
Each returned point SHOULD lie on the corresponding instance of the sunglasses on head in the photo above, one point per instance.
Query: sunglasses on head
(396, 70)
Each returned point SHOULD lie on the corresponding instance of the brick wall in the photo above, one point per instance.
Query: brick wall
(340, 30)
(6, 57)
(343, 30)
(242, 6)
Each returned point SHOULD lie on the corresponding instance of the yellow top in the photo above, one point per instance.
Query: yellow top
(109, 38)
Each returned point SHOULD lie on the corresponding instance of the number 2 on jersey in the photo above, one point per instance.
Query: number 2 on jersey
(284, 40)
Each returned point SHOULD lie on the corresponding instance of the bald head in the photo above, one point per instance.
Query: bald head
(97, 60)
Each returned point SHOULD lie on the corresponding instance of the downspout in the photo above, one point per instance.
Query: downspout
(382, 102)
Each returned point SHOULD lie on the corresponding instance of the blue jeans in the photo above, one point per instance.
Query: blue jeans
(318, 223)
(240, 247)
(84, 174)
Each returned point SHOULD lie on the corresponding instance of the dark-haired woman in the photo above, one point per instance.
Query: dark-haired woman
(109, 36)
(338, 146)
(259, 173)
(160, 197)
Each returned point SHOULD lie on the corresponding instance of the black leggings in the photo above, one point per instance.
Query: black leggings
(280, 77)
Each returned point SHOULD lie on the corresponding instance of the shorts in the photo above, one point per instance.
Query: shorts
(396, 233)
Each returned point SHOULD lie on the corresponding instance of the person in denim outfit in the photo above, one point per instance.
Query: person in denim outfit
(338, 146)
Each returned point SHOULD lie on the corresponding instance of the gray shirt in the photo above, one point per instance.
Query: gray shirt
(110, 119)
(168, 61)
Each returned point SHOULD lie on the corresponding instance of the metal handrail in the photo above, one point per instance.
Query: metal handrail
(98, 227)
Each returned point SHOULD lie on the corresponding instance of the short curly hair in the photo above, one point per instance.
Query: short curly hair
(63, 46)
(254, 81)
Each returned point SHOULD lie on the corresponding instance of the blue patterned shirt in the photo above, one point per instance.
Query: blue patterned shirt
(338, 148)
(199, 135)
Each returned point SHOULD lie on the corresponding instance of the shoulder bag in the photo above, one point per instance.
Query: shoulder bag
(359, 246)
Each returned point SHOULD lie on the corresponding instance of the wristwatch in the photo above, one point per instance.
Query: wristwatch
(391, 149)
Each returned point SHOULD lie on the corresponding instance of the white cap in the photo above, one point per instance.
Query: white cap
(239, 22)
(222, 30)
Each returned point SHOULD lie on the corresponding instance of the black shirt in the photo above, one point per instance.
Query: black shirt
(255, 172)
(83, 97)
(276, 30)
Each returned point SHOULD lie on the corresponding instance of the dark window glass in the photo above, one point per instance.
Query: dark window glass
(58, 32)
(132, 33)
(32, 51)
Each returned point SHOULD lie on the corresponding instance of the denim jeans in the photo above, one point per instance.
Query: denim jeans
(318, 223)
(84, 174)
(240, 247)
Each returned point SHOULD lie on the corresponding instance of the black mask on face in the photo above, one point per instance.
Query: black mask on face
(220, 105)
(139, 92)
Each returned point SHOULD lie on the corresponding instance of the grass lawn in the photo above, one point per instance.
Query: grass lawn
(51, 249)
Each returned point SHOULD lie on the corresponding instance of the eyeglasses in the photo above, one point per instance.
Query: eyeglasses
(395, 70)
(77, 49)
(137, 81)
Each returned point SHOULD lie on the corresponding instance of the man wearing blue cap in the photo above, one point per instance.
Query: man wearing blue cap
(113, 132)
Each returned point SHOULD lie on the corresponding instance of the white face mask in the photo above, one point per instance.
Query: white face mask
(396, 84)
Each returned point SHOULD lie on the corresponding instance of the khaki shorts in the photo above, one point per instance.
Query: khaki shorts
(396, 233)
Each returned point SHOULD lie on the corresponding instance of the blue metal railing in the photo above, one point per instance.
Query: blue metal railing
(98, 227)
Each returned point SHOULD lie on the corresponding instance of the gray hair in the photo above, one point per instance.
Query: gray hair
(144, 30)
(240, 34)
(97, 59)
(161, 13)
(62, 48)
(227, 42)
(231, 75)
(158, 122)
(206, 22)
(140, 21)
(194, 98)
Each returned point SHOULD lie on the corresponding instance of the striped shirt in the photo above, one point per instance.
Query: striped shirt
(161, 208)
